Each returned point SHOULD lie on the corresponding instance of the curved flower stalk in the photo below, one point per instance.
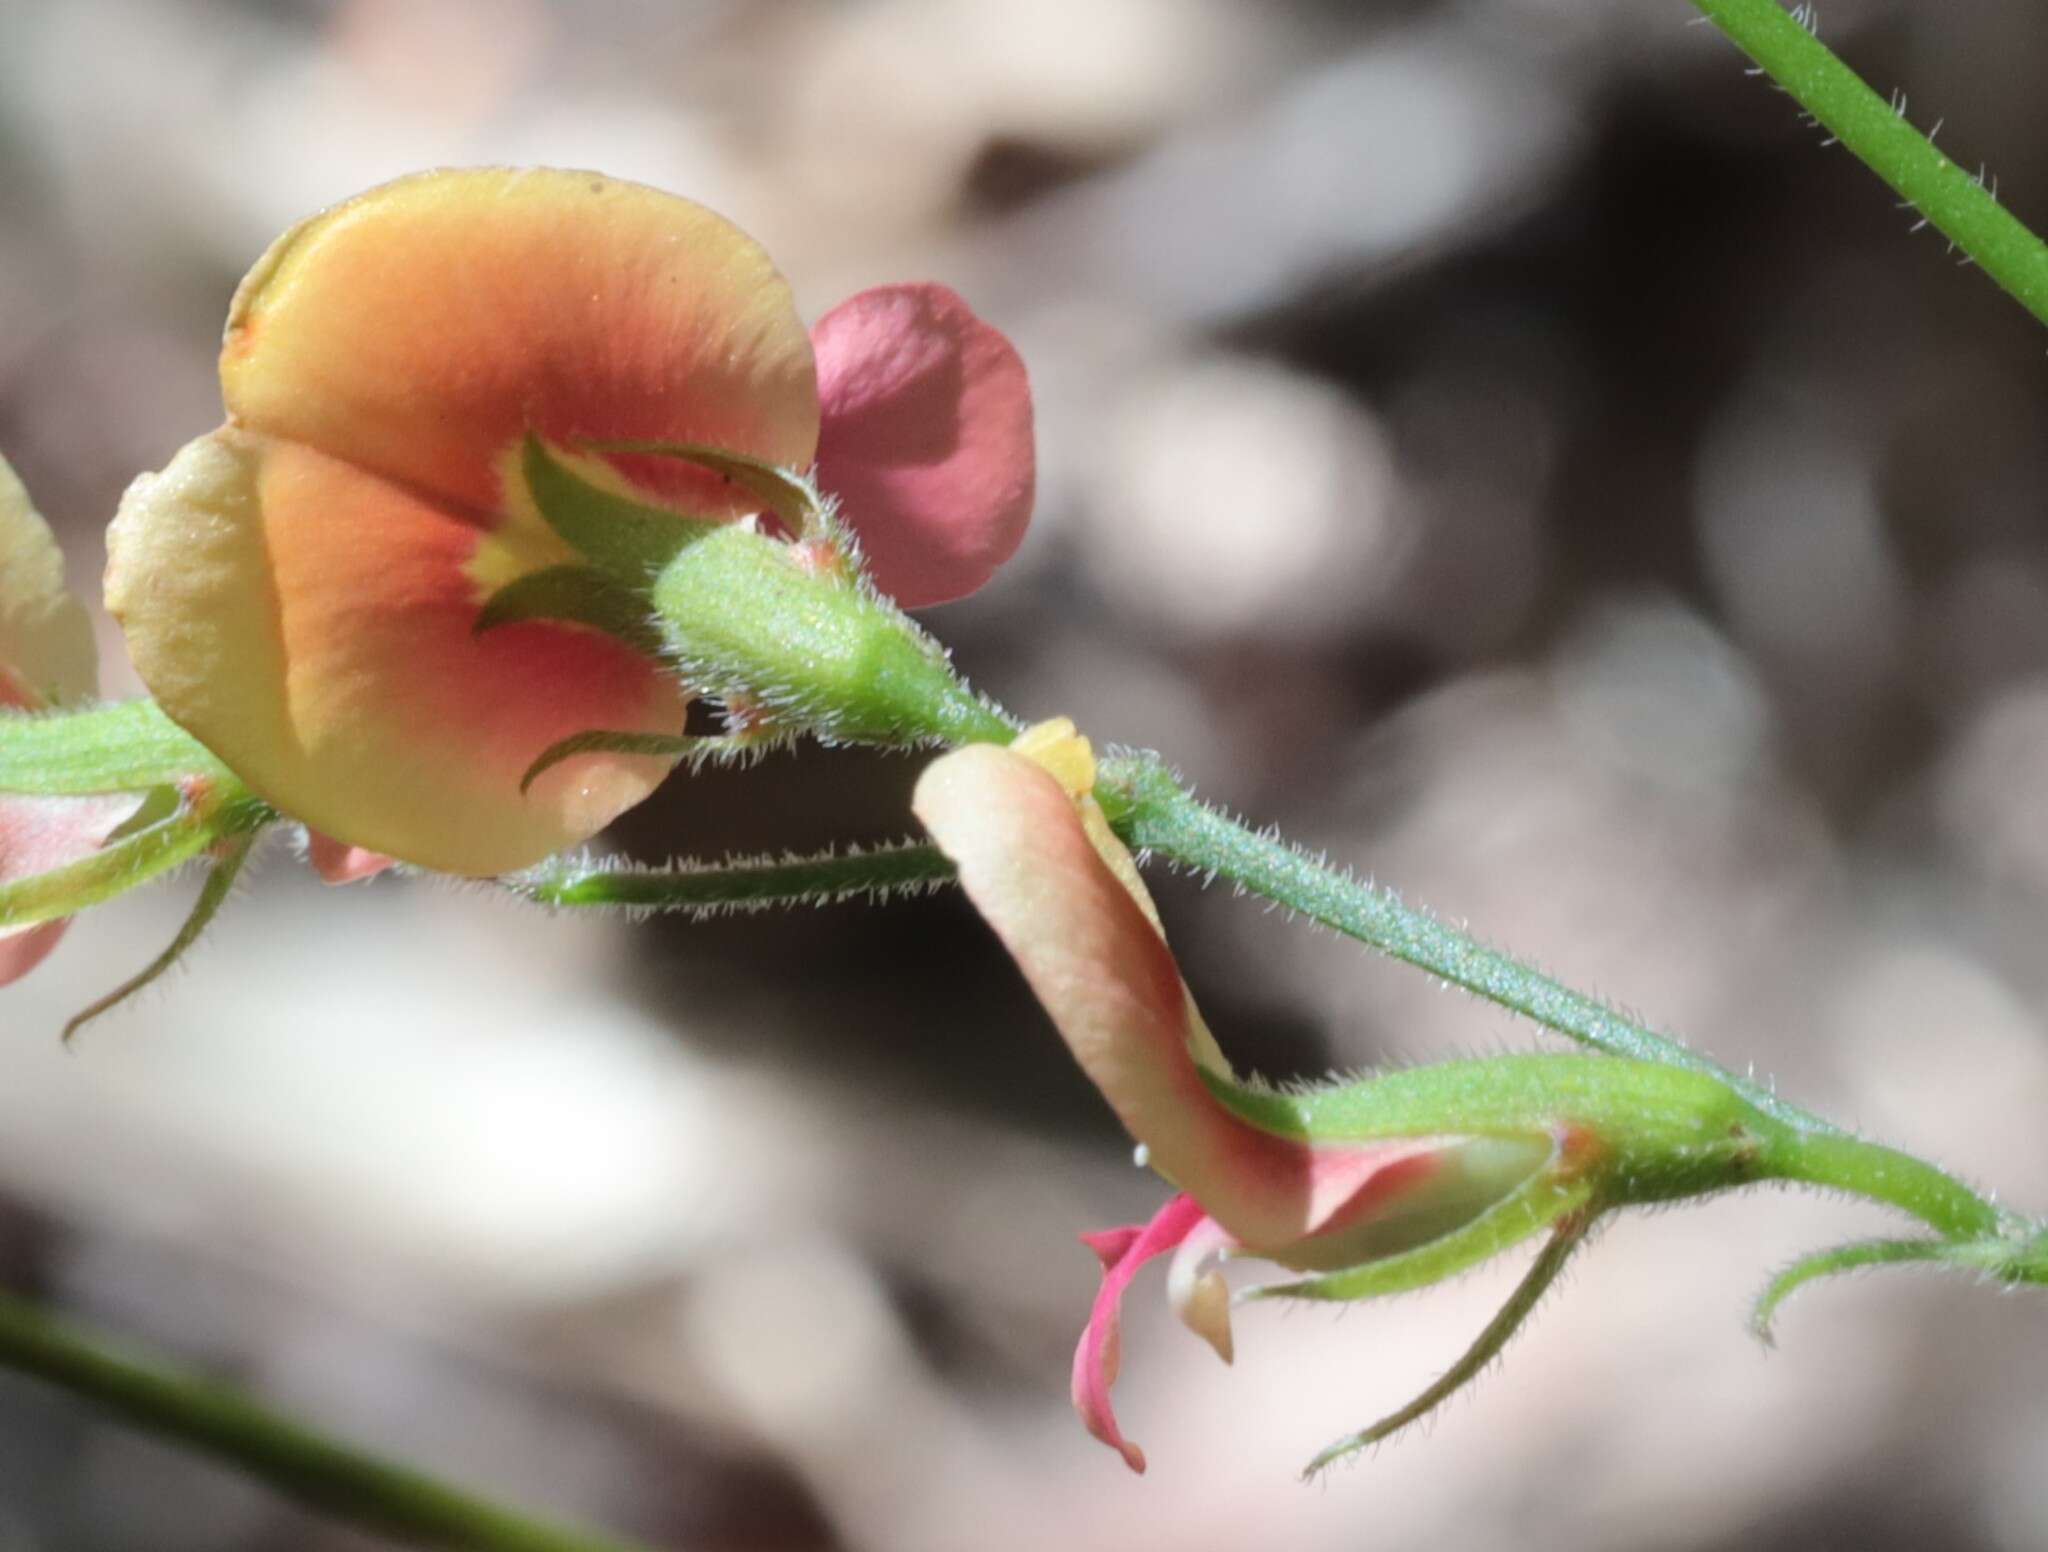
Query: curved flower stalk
(1376, 1187)
(471, 416)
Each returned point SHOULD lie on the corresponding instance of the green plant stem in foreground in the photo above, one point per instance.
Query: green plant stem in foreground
(1955, 201)
(389, 1498)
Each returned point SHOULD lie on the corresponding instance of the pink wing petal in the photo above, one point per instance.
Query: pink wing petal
(340, 863)
(38, 835)
(1096, 1360)
(22, 949)
(925, 438)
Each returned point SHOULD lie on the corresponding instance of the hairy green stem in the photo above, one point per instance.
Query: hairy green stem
(741, 883)
(1875, 129)
(1856, 1257)
(389, 1498)
(1151, 810)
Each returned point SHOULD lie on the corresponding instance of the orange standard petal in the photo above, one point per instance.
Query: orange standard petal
(422, 329)
(299, 589)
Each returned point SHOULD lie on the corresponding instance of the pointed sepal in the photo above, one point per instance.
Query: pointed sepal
(229, 856)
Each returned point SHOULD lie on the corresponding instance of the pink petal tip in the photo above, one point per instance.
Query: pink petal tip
(340, 863)
(1096, 1360)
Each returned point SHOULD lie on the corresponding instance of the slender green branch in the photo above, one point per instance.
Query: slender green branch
(1150, 810)
(742, 883)
(1829, 1263)
(1875, 129)
(301, 1464)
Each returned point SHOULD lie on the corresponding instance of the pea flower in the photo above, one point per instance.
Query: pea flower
(47, 658)
(1379, 1186)
(302, 589)
(49, 662)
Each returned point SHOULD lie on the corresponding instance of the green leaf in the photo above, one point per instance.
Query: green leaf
(123, 746)
(582, 595)
(220, 882)
(788, 494)
(629, 539)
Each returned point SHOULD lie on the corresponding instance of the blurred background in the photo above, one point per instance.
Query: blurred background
(1493, 439)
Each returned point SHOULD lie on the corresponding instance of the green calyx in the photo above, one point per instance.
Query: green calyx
(752, 620)
(1640, 1131)
(791, 633)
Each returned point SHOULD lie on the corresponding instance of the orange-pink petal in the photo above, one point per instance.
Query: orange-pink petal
(926, 438)
(423, 328)
(299, 589)
(312, 624)
(1106, 977)
(1038, 859)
